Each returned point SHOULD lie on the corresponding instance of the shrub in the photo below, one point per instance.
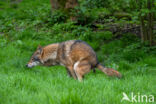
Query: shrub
(133, 52)
(25, 34)
(124, 65)
(57, 17)
(82, 31)
(140, 69)
(84, 16)
(94, 45)
(113, 47)
(106, 35)
(63, 27)
(129, 38)
(3, 42)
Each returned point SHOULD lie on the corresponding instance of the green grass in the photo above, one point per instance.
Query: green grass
(21, 33)
(41, 85)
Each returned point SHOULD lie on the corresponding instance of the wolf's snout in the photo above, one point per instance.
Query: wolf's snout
(28, 65)
(32, 64)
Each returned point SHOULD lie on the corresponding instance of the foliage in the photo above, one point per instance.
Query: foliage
(3, 42)
(133, 52)
(83, 15)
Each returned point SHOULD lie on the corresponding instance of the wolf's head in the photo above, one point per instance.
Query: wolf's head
(35, 58)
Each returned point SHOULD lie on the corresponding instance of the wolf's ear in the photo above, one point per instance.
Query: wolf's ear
(40, 48)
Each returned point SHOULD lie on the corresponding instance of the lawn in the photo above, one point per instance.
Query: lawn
(25, 25)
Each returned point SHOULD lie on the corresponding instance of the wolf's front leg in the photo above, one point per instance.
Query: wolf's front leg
(71, 71)
(68, 72)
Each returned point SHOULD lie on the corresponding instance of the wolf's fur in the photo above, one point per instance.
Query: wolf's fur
(77, 56)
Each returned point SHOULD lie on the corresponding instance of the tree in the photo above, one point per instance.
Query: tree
(146, 16)
(65, 5)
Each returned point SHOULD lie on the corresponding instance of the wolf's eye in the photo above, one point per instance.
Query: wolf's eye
(35, 58)
(38, 53)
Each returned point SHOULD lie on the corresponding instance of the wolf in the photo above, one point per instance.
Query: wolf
(77, 56)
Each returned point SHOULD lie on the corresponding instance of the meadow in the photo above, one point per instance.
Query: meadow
(27, 24)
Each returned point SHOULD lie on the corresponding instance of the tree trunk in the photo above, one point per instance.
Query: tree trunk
(142, 23)
(143, 30)
(150, 21)
(54, 4)
(70, 4)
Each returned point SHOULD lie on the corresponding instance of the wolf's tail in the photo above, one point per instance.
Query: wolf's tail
(109, 71)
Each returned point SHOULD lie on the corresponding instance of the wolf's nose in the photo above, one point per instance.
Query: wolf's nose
(26, 65)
